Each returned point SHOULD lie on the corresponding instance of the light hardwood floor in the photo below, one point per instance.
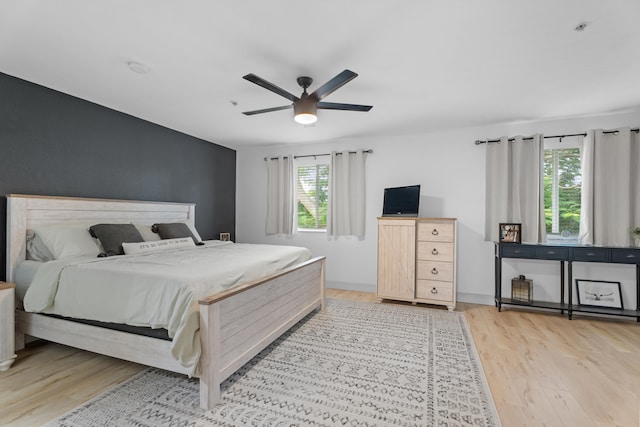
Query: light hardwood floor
(543, 370)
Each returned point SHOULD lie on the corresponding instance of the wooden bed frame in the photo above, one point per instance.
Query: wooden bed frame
(254, 314)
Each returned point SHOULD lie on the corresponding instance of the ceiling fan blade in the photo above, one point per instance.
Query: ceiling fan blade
(270, 86)
(335, 83)
(346, 107)
(267, 110)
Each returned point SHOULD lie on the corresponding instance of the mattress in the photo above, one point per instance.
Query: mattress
(25, 273)
(157, 290)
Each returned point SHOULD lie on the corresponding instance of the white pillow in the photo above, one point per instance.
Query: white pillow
(67, 240)
(157, 246)
(36, 249)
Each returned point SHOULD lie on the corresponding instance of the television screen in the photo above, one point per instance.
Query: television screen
(401, 201)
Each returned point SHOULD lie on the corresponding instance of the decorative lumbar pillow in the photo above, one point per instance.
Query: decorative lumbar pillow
(65, 241)
(157, 246)
(174, 230)
(112, 236)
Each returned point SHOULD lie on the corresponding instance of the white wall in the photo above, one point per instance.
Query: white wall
(450, 169)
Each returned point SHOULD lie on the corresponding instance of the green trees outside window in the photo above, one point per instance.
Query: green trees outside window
(562, 187)
(313, 191)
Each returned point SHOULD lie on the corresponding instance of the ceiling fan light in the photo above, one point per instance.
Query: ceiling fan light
(304, 111)
(305, 118)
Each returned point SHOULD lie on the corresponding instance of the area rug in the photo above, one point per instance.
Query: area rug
(356, 364)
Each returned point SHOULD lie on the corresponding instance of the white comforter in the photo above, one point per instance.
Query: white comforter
(159, 290)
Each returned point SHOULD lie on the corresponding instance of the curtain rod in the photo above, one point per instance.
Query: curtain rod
(478, 142)
(318, 155)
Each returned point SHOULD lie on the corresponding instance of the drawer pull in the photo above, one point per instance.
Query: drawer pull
(590, 254)
(434, 251)
(434, 232)
(434, 270)
(434, 291)
(551, 252)
(631, 256)
(517, 251)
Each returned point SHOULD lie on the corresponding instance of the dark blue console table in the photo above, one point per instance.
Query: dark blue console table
(569, 255)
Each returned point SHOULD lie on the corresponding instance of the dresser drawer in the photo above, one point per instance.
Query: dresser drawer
(435, 251)
(434, 290)
(552, 253)
(433, 270)
(627, 256)
(512, 250)
(590, 254)
(435, 231)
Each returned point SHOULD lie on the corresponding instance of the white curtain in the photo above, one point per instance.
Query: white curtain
(514, 187)
(610, 205)
(346, 216)
(280, 195)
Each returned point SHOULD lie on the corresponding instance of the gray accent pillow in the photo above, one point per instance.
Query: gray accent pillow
(174, 230)
(112, 236)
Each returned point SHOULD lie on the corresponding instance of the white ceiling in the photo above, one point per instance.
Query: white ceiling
(424, 65)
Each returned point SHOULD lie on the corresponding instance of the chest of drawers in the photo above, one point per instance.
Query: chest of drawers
(417, 260)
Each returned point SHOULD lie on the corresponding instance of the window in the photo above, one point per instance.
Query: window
(562, 188)
(312, 190)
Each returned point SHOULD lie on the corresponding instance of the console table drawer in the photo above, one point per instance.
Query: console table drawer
(627, 256)
(552, 253)
(517, 251)
(590, 254)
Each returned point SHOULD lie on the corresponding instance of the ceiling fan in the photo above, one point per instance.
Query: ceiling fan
(306, 105)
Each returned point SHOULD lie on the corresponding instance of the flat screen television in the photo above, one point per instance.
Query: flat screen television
(401, 201)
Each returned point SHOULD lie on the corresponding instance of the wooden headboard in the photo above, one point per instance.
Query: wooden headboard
(25, 212)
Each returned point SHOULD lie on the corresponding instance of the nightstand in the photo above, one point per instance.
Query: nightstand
(7, 325)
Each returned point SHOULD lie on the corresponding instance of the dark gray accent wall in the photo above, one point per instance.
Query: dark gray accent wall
(55, 144)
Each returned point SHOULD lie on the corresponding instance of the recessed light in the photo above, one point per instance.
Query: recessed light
(138, 67)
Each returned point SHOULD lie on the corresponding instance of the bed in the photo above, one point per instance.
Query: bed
(234, 324)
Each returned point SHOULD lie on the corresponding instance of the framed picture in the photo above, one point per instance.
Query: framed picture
(509, 232)
(599, 293)
(225, 237)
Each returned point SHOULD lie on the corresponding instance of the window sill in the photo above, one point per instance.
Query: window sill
(311, 230)
(558, 240)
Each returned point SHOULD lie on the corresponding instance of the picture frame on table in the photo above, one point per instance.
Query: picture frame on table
(599, 293)
(510, 232)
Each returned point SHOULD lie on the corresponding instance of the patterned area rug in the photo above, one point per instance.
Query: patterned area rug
(357, 364)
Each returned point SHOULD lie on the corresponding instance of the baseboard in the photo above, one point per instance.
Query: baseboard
(482, 299)
(347, 286)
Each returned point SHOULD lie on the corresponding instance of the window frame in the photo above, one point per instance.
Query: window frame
(561, 144)
(306, 162)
